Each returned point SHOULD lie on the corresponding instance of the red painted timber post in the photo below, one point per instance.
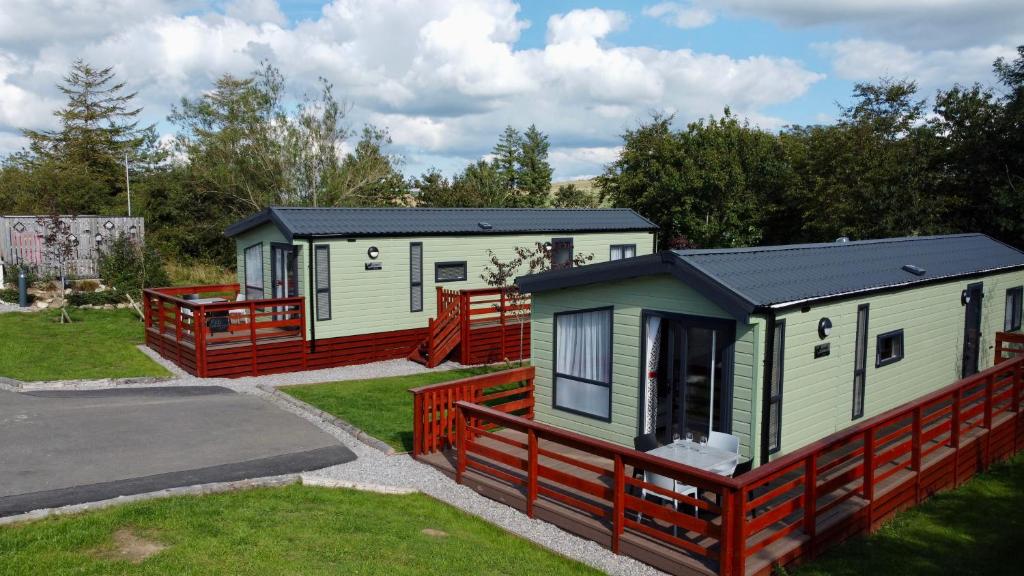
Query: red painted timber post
(738, 524)
(177, 336)
(618, 503)
(727, 532)
(460, 439)
(954, 436)
(302, 324)
(915, 453)
(811, 502)
(1016, 405)
(417, 423)
(869, 473)
(531, 471)
(147, 312)
(504, 354)
(199, 331)
(252, 337)
(464, 327)
(990, 381)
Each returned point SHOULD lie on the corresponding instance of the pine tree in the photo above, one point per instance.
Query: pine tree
(507, 155)
(534, 169)
(97, 128)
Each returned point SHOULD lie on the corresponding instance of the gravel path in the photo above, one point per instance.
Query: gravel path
(396, 473)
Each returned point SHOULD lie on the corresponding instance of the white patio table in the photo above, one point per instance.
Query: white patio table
(693, 454)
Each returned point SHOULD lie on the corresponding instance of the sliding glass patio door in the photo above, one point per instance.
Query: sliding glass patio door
(693, 388)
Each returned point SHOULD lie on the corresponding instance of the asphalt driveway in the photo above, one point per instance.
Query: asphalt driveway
(68, 447)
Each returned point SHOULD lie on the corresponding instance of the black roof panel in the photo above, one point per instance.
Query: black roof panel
(305, 222)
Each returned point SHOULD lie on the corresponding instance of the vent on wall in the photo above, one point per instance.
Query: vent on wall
(915, 270)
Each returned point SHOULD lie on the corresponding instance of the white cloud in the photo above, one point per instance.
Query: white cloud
(866, 60)
(445, 75)
(683, 16)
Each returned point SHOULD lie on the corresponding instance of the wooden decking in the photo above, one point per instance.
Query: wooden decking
(782, 512)
(657, 553)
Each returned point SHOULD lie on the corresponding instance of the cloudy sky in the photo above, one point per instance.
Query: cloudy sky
(447, 75)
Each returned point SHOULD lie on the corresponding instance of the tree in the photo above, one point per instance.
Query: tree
(525, 260)
(710, 185)
(534, 170)
(312, 139)
(85, 156)
(572, 196)
(369, 176)
(507, 154)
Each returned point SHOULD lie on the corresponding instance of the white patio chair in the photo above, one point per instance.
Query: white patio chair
(238, 315)
(668, 484)
(728, 443)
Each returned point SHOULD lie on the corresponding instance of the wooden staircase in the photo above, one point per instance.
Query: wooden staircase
(445, 331)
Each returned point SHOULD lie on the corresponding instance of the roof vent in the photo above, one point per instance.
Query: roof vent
(484, 225)
(843, 239)
(915, 270)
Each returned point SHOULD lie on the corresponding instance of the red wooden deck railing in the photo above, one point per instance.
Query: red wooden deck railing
(1008, 344)
(510, 391)
(793, 507)
(485, 324)
(249, 337)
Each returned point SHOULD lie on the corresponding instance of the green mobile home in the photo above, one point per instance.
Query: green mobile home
(370, 287)
(778, 346)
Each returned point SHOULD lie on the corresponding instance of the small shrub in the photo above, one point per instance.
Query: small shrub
(10, 295)
(87, 286)
(95, 298)
(129, 266)
(32, 275)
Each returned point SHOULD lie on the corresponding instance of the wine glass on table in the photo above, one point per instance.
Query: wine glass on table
(689, 439)
(703, 443)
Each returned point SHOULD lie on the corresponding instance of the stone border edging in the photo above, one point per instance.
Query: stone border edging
(20, 386)
(331, 419)
(194, 490)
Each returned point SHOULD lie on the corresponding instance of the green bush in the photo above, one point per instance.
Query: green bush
(32, 274)
(95, 298)
(130, 266)
(10, 295)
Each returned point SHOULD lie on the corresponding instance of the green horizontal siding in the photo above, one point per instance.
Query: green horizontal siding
(818, 393)
(629, 298)
(264, 235)
(367, 301)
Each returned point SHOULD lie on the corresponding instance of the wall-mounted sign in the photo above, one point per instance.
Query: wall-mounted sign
(821, 350)
(373, 266)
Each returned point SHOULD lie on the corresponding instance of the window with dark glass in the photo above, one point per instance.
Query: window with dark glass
(254, 272)
(449, 271)
(860, 354)
(583, 368)
(775, 388)
(561, 253)
(1014, 298)
(620, 251)
(323, 282)
(889, 348)
(416, 277)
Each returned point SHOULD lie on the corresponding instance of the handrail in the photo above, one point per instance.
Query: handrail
(860, 465)
(434, 405)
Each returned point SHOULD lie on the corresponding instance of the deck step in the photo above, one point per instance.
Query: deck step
(418, 354)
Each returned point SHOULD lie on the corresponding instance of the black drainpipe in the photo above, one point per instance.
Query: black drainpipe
(311, 290)
(766, 385)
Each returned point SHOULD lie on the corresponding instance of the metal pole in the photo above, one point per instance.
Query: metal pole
(128, 184)
(22, 288)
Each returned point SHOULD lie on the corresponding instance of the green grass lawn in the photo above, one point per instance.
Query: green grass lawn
(381, 407)
(975, 529)
(98, 344)
(268, 531)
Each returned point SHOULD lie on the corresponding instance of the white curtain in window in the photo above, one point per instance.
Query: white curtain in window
(584, 344)
(254, 272)
(652, 349)
(584, 347)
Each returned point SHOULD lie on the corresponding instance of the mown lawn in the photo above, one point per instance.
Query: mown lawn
(269, 531)
(381, 407)
(975, 529)
(98, 344)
